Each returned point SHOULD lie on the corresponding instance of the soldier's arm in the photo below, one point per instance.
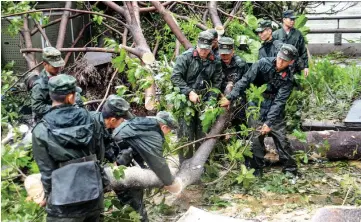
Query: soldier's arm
(38, 100)
(279, 104)
(243, 68)
(45, 162)
(179, 70)
(303, 51)
(156, 162)
(244, 82)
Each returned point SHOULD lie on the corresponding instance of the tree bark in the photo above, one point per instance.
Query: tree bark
(29, 56)
(218, 26)
(47, 41)
(190, 170)
(150, 9)
(342, 144)
(62, 27)
(212, 8)
(172, 25)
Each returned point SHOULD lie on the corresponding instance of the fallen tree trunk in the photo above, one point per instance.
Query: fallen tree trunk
(341, 144)
(190, 171)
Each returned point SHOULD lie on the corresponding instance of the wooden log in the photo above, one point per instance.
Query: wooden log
(341, 144)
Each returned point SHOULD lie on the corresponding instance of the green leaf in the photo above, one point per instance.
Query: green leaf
(118, 172)
(252, 21)
(300, 21)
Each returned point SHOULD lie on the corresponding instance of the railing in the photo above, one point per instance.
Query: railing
(338, 30)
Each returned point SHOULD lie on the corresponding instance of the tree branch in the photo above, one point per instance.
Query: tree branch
(172, 25)
(62, 27)
(67, 9)
(150, 9)
(199, 25)
(76, 41)
(107, 92)
(234, 11)
(35, 30)
(30, 57)
(47, 41)
(205, 15)
(212, 7)
(134, 51)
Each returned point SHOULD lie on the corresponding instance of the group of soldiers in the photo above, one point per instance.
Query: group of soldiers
(70, 143)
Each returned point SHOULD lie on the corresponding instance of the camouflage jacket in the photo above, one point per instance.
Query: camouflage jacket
(190, 73)
(40, 99)
(279, 85)
(234, 71)
(269, 49)
(65, 133)
(146, 138)
(296, 39)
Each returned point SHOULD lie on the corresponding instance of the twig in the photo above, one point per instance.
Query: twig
(113, 29)
(156, 46)
(67, 9)
(125, 34)
(47, 41)
(76, 41)
(107, 92)
(35, 30)
(187, 3)
(221, 177)
(205, 138)
(347, 193)
(199, 25)
(91, 40)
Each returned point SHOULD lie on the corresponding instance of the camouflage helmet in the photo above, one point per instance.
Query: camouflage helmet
(167, 119)
(52, 56)
(116, 106)
(262, 25)
(205, 39)
(287, 52)
(63, 84)
(226, 45)
(289, 14)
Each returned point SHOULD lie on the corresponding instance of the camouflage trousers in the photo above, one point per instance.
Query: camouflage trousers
(91, 217)
(189, 132)
(278, 134)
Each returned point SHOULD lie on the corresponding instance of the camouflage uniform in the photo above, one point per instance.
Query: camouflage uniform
(143, 137)
(295, 38)
(279, 88)
(233, 72)
(191, 73)
(271, 47)
(40, 99)
(68, 153)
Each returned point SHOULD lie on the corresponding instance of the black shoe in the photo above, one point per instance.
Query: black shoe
(291, 170)
(258, 172)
